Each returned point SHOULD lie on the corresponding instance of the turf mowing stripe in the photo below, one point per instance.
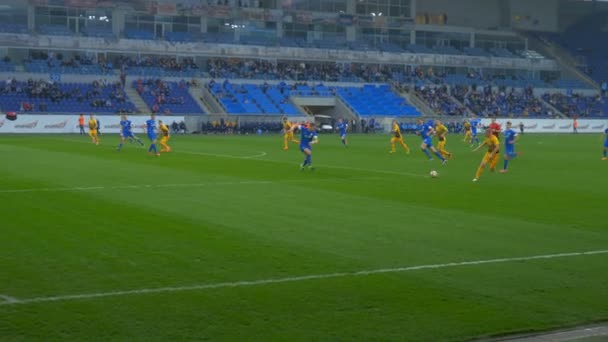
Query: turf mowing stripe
(245, 283)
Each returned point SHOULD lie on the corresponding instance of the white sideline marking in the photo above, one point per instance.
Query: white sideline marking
(118, 187)
(177, 185)
(8, 299)
(259, 155)
(247, 283)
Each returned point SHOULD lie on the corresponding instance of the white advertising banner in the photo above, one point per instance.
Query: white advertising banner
(553, 125)
(69, 123)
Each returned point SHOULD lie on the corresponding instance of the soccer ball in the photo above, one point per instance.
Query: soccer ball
(434, 174)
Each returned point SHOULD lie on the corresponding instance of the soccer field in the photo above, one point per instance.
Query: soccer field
(226, 239)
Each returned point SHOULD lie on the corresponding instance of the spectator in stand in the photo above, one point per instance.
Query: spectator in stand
(439, 100)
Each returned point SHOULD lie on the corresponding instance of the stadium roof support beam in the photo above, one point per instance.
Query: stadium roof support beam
(31, 17)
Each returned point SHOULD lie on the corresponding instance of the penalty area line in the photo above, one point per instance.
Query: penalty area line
(261, 282)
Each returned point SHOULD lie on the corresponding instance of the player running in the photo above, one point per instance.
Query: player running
(605, 145)
(495, 128)
(288, 134)
(126, 132)
(426, 132)
(93, 130)
(510, 138)
(493, 145)
(308, 137)
(474, 126)
(398, 137)
(165, 136)
(151, 131)
(467, 132)
(342, 128)
(441, 132)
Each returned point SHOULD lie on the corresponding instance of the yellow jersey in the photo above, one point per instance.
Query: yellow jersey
(492, 142)
(164, 130)
(467, 126)
(441, 129)
(396, 131)
(286, 126)
(92, 124)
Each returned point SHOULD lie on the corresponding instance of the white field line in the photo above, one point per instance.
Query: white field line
(8, 299)
(247, 283)
(142, 186)
(258, 155)
(176, 185)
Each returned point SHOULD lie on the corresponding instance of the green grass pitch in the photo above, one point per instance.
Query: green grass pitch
(83, 219)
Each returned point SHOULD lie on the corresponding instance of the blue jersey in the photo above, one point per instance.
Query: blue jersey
(307, 136)
(606, 141)
(425, 131)
(474, 124)
(510, 140)
(342, 128)
(125, 126)
(151, 129)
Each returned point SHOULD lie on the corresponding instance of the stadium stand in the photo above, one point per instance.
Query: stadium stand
(487, 101)
(253, 99)
(139, 34)
(76, 65)
(49, 97)
(98, 32)
(439, 100)
(167, 97)
(274, 99)
(581, 39)
(158, 67)
(182, 37)
(376, 100)
(13, 28)
(55, 30)
(6, 65)
(578, 105)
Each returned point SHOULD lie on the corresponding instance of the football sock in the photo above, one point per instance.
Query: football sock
(428, 154)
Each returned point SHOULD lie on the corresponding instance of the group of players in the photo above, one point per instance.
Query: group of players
(426, 130)
(308, 136)
(126, 133)
(435, 128)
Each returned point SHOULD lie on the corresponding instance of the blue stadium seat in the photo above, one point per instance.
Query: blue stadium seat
(177, 98)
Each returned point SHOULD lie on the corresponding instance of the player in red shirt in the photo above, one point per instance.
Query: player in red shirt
(495, 128)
